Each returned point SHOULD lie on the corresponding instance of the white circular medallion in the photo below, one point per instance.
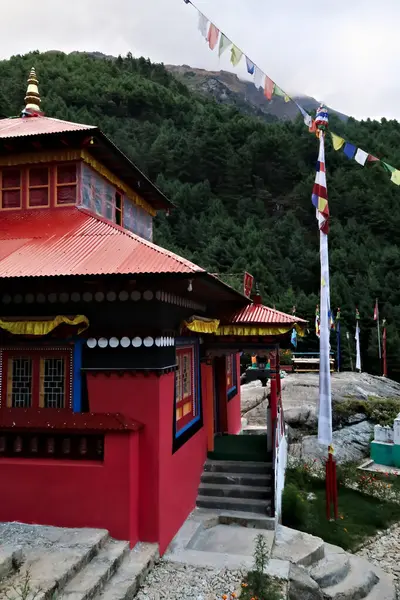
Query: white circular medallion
(99, 296)
(148, 342)
(135, 295)
(158, 295)
(123, 295)
(158, 342)
(7, 299)
(91, 343)
(125, 342)
(111, 296)
(87, 297)
(148, 295)
(137, 342)
(52, 297)
(114, 342)
(18, 298)
(75, 296)
(29, 298)
(103, 342)
(64, 297)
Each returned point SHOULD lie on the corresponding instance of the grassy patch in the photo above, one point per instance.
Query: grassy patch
(378, 410)
(361, 515)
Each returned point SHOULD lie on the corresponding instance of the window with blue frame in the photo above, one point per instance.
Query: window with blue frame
(187, 392)
(231, 376)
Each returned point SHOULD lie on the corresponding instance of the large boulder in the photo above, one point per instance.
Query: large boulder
(351, 444)
(301, 586)
(301, 416)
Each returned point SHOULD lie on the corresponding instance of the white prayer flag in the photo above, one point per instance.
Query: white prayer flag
(258, 78)
(203, 22)
(361, 156)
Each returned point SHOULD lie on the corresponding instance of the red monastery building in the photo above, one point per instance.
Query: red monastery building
(119, 360)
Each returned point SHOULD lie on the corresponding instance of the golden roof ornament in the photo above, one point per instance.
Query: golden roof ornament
(32, 98)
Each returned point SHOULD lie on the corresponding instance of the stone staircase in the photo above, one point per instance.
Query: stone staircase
(320, 571)
(67, 564)
(236, 485)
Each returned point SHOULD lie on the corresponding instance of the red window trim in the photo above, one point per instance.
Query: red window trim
(36, 355)
(180, 401)
(52, 185)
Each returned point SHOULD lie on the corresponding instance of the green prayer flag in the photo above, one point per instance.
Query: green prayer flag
(236, 55)
(279, 92)
(224, 43)
(387, 167)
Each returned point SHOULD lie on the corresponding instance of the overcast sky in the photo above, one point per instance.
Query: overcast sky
(344, 52)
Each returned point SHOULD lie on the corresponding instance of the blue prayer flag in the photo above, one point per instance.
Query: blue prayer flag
(349, 150)
(250, 66)
(294, 338)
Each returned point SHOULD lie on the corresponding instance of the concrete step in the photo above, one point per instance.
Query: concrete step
(92, 578)
(358, 583)
(300, 548)
(235, 491)
(238, 466)
(11, 559)
(240, 504)
(383, 590)
(126, 582)
(330, 570)
(54, 564)
(257, 479)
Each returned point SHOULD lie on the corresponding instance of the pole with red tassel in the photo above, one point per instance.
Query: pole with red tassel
(331, 487)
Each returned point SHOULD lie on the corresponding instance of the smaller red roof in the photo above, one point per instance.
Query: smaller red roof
(258, 314)
(48, 419)
(23, 126)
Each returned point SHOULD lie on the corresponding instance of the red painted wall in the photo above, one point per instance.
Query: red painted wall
(136, 396)
(77, 494)
(179, 472)
(234, 416)
(168, 483)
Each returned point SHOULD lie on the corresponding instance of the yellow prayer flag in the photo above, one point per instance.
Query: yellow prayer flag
(337, 141)
(236, 55)
(287, 98)
(323, 282)
(396, 177)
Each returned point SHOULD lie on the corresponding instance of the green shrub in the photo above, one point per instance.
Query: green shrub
(295, 509)
(379, 410)
(257, 584)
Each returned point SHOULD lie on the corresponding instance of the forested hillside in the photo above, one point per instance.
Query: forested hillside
(242, 186)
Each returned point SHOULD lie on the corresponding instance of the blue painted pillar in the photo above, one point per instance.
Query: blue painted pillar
(77, 376)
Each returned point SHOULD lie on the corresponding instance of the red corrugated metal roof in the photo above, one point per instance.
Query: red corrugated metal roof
(20, 127)
(260, 314)
(72, 241)
(53, 420)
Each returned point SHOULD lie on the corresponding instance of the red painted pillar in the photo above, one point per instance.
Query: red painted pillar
(207, 390)
(274, 389)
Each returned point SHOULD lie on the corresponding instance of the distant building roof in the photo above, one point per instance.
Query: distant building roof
(260, 314)
(72, 241)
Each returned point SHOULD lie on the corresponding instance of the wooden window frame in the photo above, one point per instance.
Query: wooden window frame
(231, 376)
(12, 189)
(120, 210)
(68, 184)
(38, 187)
(37, 356)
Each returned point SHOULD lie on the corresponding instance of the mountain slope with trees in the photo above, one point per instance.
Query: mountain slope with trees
(242, 186)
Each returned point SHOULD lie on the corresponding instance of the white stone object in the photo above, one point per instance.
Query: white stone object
(383, 434)
(396, 430)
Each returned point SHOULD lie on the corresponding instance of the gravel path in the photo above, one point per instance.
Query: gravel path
(175, 582)
(384, 552)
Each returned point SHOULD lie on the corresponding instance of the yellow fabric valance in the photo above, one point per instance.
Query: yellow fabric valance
(258, 330)
(43, 327)
(201, 325)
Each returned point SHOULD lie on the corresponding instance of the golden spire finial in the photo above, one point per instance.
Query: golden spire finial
(32, 98)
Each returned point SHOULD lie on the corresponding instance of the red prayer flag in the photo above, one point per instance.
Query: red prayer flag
(313, 127)
(269, 87)
(372, 158)
(376, 311)
(248, 284)
(213, 35)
